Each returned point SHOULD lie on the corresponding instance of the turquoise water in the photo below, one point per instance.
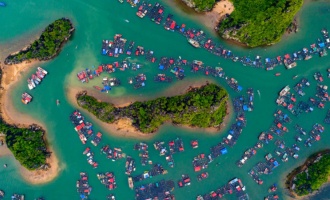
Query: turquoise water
(97, 20)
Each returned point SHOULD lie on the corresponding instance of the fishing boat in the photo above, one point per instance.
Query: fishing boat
(42, 70)
(272, 188)
(31, 85)
(194, 43)
(26, 98)
(285, 90)
(278, 74)
(130, 183)
(2, 4)
(82, 138)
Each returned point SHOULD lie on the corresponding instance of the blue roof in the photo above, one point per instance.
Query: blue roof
(161, 67)
(267, 60)
(104, 51)
(240, 88)
(231, 131)
(245, 107)
(107, 87)
(321, 45)
(143, 84)
(224, 151)
(276, 163)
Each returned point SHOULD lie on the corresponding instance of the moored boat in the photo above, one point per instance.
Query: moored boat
(130, 183)
(278, 74)
(26, 98)
(42, 70)
(194, 43)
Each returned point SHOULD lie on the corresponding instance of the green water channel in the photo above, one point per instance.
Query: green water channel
(97, 20)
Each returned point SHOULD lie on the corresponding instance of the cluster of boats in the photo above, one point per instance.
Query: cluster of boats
(198, 38)
(157, 190)
(83, 188)
(184, 181)
(129, 165)
(108, 179)
(26, 98)
(175, 146)
(115, 47)
(234, 186)
(112, 153)
(90, 158)
(84, 129)
(144, 155)
(156, 170)
(36, 78)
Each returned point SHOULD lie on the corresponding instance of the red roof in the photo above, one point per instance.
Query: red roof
(197, 168)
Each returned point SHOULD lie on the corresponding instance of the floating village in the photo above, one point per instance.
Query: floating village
(291, 103)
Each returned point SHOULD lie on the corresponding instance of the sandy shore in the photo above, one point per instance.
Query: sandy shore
(12, 74)
(123, 127)
(212, 18)
(42, 176)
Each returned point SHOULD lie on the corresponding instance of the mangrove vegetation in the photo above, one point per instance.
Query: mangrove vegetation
(259, 22)
(311, 175)
(200, 107)
(47, 46)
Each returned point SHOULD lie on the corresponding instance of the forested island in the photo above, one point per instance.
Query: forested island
(27, 145)
(261, 22)
(47, 46)
(202, 107)
(311, 175)
(200, 5)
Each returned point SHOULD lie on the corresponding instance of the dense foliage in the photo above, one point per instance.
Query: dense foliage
(314, 178)
(48, 45)
(27, 145)
(200, 107)
(204, 5)
(259, 22)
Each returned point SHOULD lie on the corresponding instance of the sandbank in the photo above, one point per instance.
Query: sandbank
(123, 127)
(11, 75)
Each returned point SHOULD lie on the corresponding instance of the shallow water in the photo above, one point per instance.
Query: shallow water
(97, 20)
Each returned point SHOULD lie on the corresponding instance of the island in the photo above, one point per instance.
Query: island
(310, 176)
(47, 46)
(200, 5)
(28, 143)
(256, 23)
(203, 107)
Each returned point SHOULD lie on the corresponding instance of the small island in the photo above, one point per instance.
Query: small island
(27, 145)
(47, 46)
(256, 23)
(311, 175)
(28, 142)
(203, 107)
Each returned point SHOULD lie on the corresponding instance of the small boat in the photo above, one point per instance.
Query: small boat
(272, 188)
(278, 74)
(42, 70)
(126, 20)
(194, 43)
(26, 98)
(97, 87)
(57, 102)
(296, 76)
(130, 183)
(2, 4)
